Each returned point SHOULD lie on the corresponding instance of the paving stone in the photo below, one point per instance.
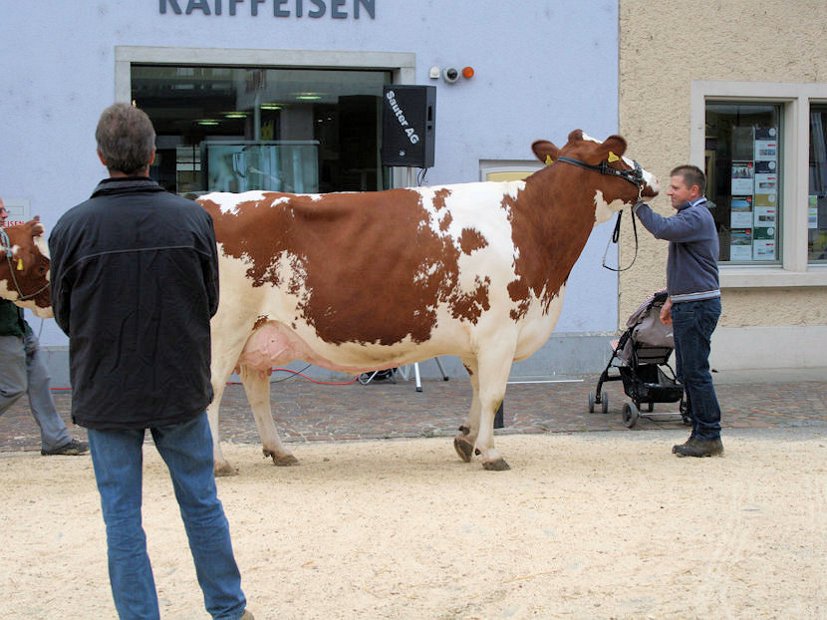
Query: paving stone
(309, 412)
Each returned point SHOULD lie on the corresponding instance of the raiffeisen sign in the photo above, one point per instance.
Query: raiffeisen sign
(314, 9)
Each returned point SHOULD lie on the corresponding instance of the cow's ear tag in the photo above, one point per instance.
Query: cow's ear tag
(549, 160)
(19, 264)
(613, 158)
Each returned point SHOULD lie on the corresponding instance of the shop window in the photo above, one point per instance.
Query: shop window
(236, 129)
(817, 196)
(743, 166)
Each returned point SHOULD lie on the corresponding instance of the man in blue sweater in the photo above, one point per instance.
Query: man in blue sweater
(694, 304)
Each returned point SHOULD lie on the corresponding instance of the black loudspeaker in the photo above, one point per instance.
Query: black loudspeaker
(408, 125)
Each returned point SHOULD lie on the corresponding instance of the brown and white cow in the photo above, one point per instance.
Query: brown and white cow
(24, 267)
(476, 270)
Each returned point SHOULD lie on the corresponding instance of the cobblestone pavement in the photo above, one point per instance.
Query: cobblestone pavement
(306, 411)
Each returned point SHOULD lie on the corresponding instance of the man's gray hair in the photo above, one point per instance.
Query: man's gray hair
(125, 137)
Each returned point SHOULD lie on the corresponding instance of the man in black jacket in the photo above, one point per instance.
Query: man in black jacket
(134, 284)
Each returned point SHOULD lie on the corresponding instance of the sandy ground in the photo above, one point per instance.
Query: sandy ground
(590, 525)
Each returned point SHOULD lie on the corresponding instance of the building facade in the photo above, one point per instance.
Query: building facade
(720, 85)
(285, 94)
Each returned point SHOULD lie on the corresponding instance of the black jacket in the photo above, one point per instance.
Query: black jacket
(134, 284)
(12, 322)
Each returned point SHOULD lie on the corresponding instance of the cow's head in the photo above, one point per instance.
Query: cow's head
(24, 267)
(617, 180)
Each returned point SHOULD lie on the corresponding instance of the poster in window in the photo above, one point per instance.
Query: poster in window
(763, 233)
(766, 177)
(766, 144)
(812, 212)
(764, 250)
(741, 212)
(742, 178)
(763, 247)
(740, 244)
(765, 200)
(764, 217)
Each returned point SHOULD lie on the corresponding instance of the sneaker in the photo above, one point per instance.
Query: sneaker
(700, 448)
(247, 615)
(73, 448)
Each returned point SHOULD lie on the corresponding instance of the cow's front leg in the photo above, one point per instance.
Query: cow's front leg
(466, 438)
(257, 387)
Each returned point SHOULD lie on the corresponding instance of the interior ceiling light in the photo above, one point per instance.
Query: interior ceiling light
(207, 122)
(235, 115)
(271, 106)
(308, 96)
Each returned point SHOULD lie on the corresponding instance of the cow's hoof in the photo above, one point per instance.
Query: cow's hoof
(496, 465)
(285, 460)
(222, 470)
(464, 448)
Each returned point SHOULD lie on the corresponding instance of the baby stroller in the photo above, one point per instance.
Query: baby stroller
(641, 359)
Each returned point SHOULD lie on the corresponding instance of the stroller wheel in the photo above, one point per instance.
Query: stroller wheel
(630, 414)
(591, 402)
(604, 402)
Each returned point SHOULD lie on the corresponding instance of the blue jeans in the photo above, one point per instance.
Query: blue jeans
(692, 325)
(187, 450)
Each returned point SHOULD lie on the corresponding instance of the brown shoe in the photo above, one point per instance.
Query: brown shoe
(700, 448)
(247, 615)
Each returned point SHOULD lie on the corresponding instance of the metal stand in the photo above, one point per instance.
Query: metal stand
(417, 378)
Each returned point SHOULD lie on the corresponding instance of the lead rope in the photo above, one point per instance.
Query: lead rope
(615, 238)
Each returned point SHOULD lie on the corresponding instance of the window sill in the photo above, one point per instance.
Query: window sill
(762, 277)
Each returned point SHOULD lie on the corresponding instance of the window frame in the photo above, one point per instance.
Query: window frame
(401, 65)
(795, 99)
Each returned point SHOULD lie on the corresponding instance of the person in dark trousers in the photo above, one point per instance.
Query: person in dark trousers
(134, 284)
(694, 304)
(23, 371)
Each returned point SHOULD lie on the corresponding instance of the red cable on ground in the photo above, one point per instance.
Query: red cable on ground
(303, 376)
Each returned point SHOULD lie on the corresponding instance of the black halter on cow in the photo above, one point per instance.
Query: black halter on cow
(475, 270)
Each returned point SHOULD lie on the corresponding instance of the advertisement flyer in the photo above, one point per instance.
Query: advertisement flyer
(742, 178)
(741, 212)
(763, 249)
(766, 144)
(765, 200)
(766, 177)
(812, 212)
(764, 217)
(740, 247)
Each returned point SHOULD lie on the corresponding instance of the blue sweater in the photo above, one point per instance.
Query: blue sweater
(692, 266)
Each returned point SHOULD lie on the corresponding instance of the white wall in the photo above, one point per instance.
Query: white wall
(542, 67)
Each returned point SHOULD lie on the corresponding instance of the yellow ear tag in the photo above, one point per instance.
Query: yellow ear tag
(613, 158)
(549, 160)
(19, 264)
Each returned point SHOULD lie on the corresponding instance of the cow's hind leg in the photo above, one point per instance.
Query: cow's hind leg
(257, 387)
(494, 366)
(221, 467)
(466, 438)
